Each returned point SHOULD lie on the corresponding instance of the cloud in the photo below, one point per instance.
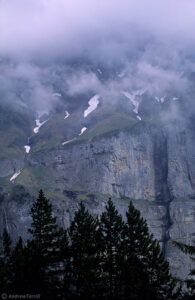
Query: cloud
(82, 82)
(152, 41)
(69, 28)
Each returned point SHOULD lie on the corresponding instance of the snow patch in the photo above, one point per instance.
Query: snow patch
(93, 103)
(39, 124)
(27, 148)
(175, 98)
(83, 130)
(68, 142)
(15, 175)
(99, 71)
(139, 118)
(57, 95)
(21, 103)
(131, 97)
(160, 100)
(122, 74)
(67, 114)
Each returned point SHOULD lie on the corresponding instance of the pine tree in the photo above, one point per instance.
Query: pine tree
(112, 227)
(18, 265)
(6, 259)
(146, 269)
(2, 278)
(85, 247)
(44, 249)
(65, 255)
(190, 250)
(5, 255)
(6, 245)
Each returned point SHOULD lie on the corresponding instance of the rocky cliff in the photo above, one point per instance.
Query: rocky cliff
(153, 165)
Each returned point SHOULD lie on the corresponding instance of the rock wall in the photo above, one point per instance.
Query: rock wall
(154, 166)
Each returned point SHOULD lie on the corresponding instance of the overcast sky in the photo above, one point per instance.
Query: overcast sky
(108, 27)
(154, 39)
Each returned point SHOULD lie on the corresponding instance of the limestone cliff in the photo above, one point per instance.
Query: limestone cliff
(153, 165)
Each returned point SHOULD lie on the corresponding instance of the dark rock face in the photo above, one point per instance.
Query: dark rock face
(154, 166)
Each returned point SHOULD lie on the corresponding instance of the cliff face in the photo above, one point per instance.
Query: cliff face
(152, 165)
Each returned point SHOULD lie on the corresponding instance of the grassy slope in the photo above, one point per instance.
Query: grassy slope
(101, 123)
(15, 127)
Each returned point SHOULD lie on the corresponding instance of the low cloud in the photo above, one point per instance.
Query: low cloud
(48, 43)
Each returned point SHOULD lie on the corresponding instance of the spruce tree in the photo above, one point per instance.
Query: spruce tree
(44, 249)
(18, 268)
(6, 245)
(112, 227)
(65, 255)
(85, 247)
(5, 255)
(190, 250)
(146, 269)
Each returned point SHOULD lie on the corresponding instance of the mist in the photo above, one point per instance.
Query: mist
(52, 45)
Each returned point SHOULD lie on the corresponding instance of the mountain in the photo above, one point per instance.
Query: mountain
(130, 144)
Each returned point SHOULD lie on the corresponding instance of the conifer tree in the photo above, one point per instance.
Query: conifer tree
(18, 267)
(85, 247)
(5, 255)
(65, 255)
(2, 278)
(190, 250)
(146, 269)
(6, 245)
(44, 249)
(112, 227)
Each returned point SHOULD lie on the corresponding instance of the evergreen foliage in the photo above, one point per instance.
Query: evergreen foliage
(95, 258)
(85, 248)
(5, 272)
(190, 250)
(145, 260)
(112, 227)
(45, 248)
(18, 265)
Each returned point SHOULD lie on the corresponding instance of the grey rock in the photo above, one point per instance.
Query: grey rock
(152, 165)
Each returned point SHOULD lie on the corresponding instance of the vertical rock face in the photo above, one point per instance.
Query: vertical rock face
(151, 164)
(154, 166)
(119, 166)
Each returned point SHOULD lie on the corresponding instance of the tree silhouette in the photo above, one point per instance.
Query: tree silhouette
(190, 250)
(146, 269)
(85, 247)
(44, 249)
(5, 257)
(112, 227)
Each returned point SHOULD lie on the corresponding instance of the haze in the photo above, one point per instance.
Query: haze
(151, 40)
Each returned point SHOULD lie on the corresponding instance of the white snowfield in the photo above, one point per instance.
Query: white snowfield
(21, 103)
(67, 114)
(27, 148)
(99, 71)
(122, 74)
(39, 124)
(131, 97)
(68, 142)
(160, 100)
(175, 98)
(15, 175)
(83, 130)
(57, 95)
(93, 103)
